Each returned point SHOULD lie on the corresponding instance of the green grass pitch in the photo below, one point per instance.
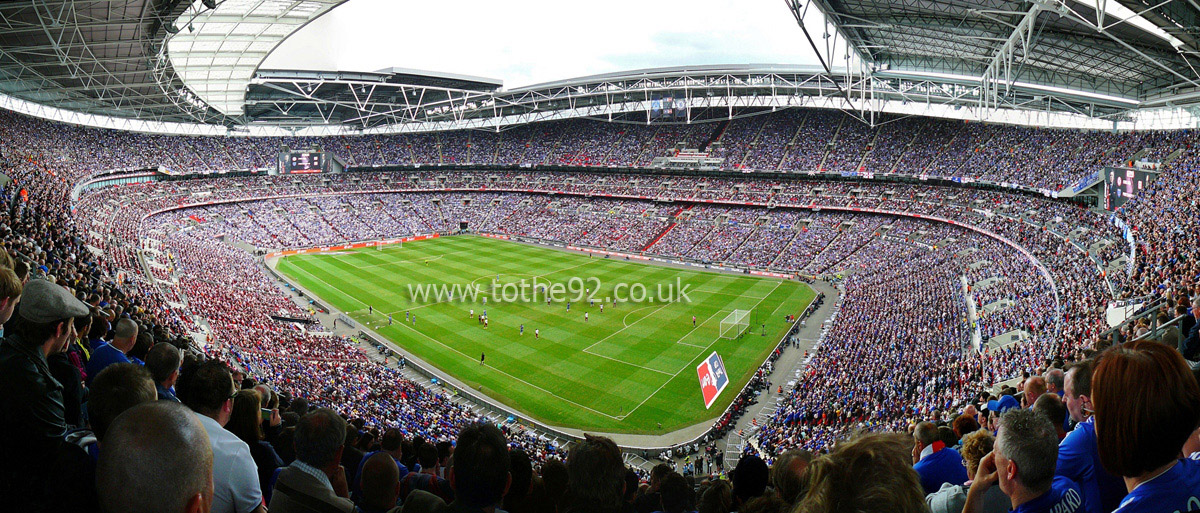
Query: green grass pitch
(630, 369)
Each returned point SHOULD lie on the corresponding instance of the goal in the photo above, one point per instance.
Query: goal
(735, 323)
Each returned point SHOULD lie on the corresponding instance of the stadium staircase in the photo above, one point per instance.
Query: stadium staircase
(870, 149)
(716, 135)
(900, 157)
(847, 255)
(753, 144)
(825, 157)
(791, 144)
(669, 227)
(783, 251)
(822, 250)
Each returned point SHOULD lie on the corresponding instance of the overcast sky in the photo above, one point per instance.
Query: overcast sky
(526, 42)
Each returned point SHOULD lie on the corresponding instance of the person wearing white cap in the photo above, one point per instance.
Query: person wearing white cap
(30, 398)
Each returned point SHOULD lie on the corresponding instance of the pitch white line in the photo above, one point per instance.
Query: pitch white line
(689, 364)
(610, 335)
(627, 363)
(685, 335)
(327, 284)
(510, 375)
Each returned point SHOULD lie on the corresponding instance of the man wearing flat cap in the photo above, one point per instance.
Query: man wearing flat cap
(31, 400)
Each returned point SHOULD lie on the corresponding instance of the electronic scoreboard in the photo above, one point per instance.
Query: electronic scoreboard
(1121, 184)
(302, 162)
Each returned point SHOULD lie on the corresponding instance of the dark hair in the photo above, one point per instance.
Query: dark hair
(750, 478)
(522, 477)
(1052, 408)
(208, 388)
(162, 360)
(785, 474)
(246, 419)
(37, 333)
(117, 388)
(427, 455)
(1147, 404)
(318, 437)
(142, 345)
(554, 476)
(596, 474)
(392, 439)
(659, 472)
(947, 436)
(675, 493)
(481, 465)
(1081, 380)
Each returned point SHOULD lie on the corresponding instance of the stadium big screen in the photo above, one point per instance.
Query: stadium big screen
(301, 162)
(1123, 183)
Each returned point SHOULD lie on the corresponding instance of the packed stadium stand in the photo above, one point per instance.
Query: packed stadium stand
(1002, 320)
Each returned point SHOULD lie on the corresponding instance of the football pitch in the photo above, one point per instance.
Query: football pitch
(630, 368)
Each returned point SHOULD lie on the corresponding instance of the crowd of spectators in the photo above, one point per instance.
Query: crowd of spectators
(93, 290)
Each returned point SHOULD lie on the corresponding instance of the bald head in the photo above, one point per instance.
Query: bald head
(156, 458)
(380, 481)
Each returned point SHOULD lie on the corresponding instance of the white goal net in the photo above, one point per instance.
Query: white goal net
(735, 323)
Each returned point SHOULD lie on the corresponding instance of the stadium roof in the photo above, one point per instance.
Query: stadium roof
(1135, 49)
(193, 66)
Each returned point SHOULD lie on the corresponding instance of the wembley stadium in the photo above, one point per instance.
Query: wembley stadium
(935, 261)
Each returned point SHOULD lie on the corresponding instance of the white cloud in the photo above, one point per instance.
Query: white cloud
(536, 41)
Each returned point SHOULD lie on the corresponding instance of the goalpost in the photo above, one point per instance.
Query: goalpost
(735, 323)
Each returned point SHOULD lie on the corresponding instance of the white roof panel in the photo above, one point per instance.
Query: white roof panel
(219, 71)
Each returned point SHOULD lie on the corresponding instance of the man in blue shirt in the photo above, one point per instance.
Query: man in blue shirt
(934, 462)
(1022, 464)
(163, 362)
(1078, 454)
(124, 337)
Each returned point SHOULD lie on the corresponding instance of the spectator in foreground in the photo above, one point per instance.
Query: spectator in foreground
(380, 484)
(933, 461)
(596, 476)
(1078, 453)
(1051, 407)
(427, 479)
(870, 474)
(210, 394)
(675, 494)
(750, 478)
(163, 362)
(30, 397)
(1022, 464)
(1147, 406)
(648, 501)
(10, 294)
(951, 497)
(479, 474)
(119, 388)
(787, 474)
(124, 337)
(245, 422)
(157, 460)
(316, 481)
